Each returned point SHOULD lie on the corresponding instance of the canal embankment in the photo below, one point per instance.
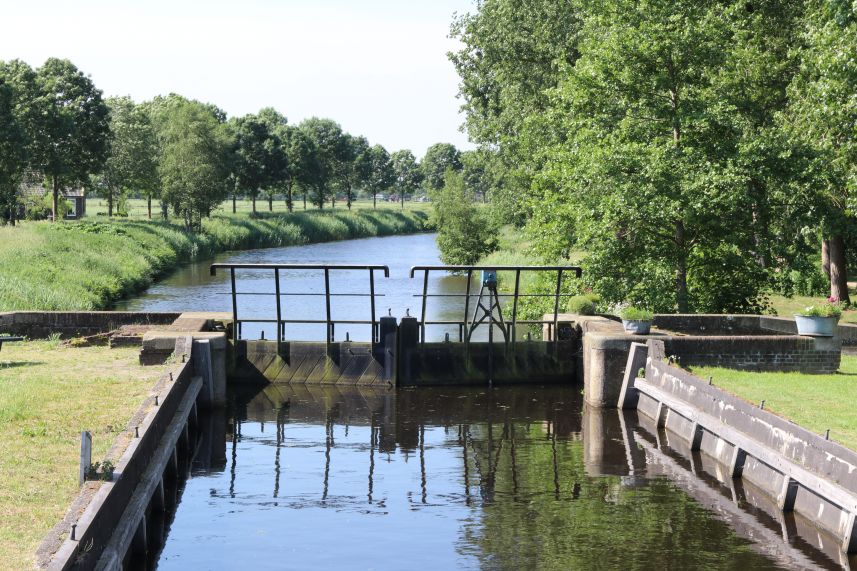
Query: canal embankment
(49, 392)
(90, 265)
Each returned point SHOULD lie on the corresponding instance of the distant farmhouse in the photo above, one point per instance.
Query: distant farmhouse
(32, 196)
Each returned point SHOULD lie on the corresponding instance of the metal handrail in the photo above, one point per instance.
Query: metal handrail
(578, 272)
(281, 323)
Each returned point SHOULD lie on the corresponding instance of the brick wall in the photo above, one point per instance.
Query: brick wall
(40, 324)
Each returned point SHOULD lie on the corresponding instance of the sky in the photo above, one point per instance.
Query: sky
(378, 67)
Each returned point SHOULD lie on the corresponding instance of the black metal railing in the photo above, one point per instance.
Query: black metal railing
(465, 324)
(279, 294)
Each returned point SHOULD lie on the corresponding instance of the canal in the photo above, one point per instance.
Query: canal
(299, 477)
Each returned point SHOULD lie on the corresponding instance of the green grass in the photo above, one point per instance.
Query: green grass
(816, 402)
(90, 264)
(789, 306)
(136, 207)
(48, 394)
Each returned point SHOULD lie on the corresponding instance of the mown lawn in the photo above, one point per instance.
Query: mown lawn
(789, 306)
(49, 393)
(816, 402)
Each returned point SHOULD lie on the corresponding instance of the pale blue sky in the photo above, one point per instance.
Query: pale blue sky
(379, 67)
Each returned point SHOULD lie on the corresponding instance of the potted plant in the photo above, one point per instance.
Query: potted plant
(636, 320)
(818, 320)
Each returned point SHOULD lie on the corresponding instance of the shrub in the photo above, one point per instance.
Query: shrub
(826, 310)
(632, 313)
(581, 305)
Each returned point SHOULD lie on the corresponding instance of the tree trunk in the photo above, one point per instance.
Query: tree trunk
(270, 203)
(374, 201)
(254, 204)
(165, 210)
(289, 197)
(402, 198)
(109, 203)
(233, 203)
(149, 205)
(838, 269)
(825, 257)
(56, 192)
(304, 199)
(681, 269)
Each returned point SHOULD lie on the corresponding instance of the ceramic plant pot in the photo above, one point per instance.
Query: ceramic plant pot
(637, 326)
(815, 326)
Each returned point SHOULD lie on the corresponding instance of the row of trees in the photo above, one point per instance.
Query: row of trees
(55, 122)
(701, 153)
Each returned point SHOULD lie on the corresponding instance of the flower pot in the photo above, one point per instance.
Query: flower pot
(816, 326)
(637, 326)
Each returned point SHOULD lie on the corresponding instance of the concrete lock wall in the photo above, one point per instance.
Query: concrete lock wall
(40, 324)
(800, 471)
(755, 343)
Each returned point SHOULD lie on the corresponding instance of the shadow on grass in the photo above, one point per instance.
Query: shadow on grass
(15, 364)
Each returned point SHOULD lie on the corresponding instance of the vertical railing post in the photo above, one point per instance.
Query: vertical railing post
(279, 307)
(372, 300)
(467, 306)
(515, 305)
(327, 306)
(423, 311)
(555, 332)
(236, 332)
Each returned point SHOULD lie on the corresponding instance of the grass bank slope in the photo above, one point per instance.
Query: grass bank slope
(89, 265)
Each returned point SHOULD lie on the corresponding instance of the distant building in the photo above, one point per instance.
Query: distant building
(32, 192)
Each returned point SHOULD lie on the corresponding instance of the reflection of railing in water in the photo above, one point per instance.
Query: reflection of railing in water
(466, 325)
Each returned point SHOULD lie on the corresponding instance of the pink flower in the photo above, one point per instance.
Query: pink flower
(833, 299)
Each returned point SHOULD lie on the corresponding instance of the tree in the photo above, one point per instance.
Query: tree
(194, 164)
(327, 139)
(463, 234)
(376, 170)
(822, 114)
(649, 174)
(132, 162)
(349, 165)
(260, 161)
(13, 144)
(439, 158)
(407, 173)
(73, 141)
(514, 54)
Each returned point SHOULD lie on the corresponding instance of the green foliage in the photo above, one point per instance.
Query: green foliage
(826, 310)
(464, 234)
(406, 171)
(633, 313)
(89, 265)
(580, 305)
(438, 159)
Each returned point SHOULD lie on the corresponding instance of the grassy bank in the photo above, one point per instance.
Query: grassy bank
(89, 265)
(48, 394)
(816, 402)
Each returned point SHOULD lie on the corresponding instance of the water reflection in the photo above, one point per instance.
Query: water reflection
(507, 478)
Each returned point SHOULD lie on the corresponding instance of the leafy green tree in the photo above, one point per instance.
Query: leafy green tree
(330, 148)
(376, 170)
(349, 165)
(464, 235)
(260, 161)
(13, 147)
(823, 114)
(194, 163)
(407, 172)
(513, 54)
(74, 131)
(132, 162)
(439, 158)
(303, 164)
(650, 180)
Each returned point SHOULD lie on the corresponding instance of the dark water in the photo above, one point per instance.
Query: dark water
(299, 477)
(296, 477)
(191, 288)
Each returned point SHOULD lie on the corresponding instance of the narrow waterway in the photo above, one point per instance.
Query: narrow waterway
(302, 477)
